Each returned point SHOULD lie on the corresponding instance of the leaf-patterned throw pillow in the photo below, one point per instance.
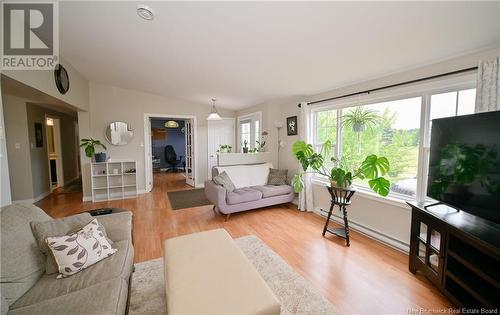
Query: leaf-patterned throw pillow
(80, 250)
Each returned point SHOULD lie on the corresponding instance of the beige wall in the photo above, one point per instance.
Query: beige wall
(5, 195)
(28, 165)
(39, 156)
(273, 112)
(43, 80)
(18, 146)
(386, 220)
(108, 104)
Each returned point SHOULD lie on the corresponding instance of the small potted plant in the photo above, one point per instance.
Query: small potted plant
(225, 148)
(261, 144)
(90, 149)
(340, 175)
(245, 146)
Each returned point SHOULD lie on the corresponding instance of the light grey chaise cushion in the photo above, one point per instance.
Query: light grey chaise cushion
(118, 266)
(4, 305)
(273, 190)
(223, 180)
(243, 195)
(107, 297)
(277, 177)
(58, 227)
(22, 262)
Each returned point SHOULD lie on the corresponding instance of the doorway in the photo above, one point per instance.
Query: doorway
(54, 152)
(220, 132)
(170, 142)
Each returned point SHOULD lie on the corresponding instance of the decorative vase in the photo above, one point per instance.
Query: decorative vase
(100, 157)
(245, 149)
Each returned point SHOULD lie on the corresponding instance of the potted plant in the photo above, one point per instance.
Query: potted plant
(90, 148)
(373, 168)
(261, 144)
(245, 146)
(359, 119)
(225, 148)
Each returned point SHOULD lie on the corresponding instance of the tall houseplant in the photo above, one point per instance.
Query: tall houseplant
(90, 149)
(373, 168)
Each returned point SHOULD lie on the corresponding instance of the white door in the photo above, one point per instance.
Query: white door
(189, 154)
(219, 132)
(148, 167)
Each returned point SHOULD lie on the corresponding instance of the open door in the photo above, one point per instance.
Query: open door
(189, 131)
(54, 151)
(189, 154)
(148, 167)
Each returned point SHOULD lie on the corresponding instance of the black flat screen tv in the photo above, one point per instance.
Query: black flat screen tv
(464, 166)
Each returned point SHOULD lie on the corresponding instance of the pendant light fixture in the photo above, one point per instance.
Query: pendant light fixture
(214, 115)
(172, 124)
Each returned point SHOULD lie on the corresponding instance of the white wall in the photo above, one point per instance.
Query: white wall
(108, 104)
(386, 220)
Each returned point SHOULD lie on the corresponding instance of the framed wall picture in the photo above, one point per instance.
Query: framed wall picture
(38, 135)
(291, 126)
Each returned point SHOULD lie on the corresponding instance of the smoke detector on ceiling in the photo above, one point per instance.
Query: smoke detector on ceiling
(145, 12)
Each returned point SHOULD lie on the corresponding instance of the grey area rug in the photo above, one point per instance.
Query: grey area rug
(296, 295)
(188, 198)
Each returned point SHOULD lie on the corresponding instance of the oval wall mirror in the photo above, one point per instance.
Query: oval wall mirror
(119, 133)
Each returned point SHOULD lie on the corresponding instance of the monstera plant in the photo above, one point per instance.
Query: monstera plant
(372, 168)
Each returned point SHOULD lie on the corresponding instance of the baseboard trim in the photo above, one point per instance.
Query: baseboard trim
(371, 233)
(33, 200)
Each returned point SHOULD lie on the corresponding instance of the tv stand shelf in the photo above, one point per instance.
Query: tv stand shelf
(459, 252)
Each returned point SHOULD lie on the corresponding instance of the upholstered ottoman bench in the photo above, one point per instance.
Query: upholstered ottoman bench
(206, 273)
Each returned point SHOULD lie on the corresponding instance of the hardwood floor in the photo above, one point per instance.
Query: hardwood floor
(366, 277)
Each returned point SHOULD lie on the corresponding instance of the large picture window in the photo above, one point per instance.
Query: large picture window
(249, 130)
(392, 128)
(389, 129)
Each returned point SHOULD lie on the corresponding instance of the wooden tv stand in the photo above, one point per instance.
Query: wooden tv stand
(457, 251)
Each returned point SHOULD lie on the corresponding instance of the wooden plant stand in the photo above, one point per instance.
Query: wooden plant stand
(342, 198)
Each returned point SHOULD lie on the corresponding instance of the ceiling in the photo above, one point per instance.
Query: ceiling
(245, 53)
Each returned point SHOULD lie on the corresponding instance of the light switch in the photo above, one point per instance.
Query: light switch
(17, 146)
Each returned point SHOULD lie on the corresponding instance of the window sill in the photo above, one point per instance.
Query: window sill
(365, 193)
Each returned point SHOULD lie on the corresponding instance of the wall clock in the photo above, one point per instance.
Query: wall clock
(62, 79)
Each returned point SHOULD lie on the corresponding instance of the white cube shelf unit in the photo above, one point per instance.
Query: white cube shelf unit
(113, 180)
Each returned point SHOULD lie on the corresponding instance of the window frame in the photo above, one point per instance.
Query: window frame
(423, 90)
(251, 118)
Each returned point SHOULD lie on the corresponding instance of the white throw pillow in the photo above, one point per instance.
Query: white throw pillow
(80, 250)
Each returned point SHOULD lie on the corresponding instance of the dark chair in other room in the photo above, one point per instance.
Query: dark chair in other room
(171, 157)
